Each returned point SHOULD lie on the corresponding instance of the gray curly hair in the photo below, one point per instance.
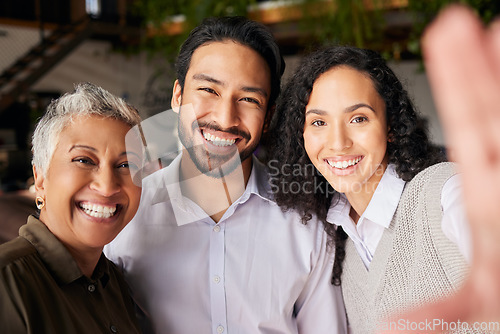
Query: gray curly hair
(86, 100)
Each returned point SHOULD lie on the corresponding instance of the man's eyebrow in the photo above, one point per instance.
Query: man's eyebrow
(257, 90)
(248, 89)
(205, 77)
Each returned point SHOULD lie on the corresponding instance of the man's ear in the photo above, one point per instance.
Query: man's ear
(176, 96)
(268, 118)
(39, 182)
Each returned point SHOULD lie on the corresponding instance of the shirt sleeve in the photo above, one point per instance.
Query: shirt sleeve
(320, 306)
(11, 317)
(455, 224)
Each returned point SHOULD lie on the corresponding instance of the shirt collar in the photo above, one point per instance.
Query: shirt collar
(168, 190)
(382, 206)
(55, 255)
(258, 182)
(166, 182)
(386, 198)
(338, 213)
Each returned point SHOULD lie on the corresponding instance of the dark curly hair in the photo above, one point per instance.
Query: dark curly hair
(409, 148)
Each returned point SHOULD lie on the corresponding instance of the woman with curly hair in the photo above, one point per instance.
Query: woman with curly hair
(389, 202)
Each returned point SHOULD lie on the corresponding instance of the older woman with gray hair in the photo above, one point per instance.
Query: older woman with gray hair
(54, 277)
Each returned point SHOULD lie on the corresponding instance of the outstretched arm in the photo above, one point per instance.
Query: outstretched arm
(463, 64)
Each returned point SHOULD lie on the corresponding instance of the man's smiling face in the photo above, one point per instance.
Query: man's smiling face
(228, 87)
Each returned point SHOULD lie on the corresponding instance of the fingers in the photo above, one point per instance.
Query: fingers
(436, 317)
(463, 66)
(476, 304)
(494, 40)
(453, 48)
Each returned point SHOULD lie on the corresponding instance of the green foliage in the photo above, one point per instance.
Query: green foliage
(350, 22)
(342, 22)
(157, 13)
(424, 11)
(346, 21)
(323, 22)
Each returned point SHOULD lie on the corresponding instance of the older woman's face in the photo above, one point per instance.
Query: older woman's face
(88, 190)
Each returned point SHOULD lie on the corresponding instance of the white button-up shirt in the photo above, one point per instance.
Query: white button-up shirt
(259, 270)
(366, 234)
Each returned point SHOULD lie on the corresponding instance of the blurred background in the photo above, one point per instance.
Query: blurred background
(128, 47)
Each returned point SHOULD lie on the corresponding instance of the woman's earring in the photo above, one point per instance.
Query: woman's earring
(40, 202)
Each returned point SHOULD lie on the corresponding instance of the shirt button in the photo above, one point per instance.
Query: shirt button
(220, 329)
(216, 228)
(91, 288)
(113, 329)
(217, 280)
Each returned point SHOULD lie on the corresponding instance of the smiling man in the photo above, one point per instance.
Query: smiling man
(209, 251)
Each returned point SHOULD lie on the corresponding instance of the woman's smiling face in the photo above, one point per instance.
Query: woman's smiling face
(345, 130)
(88, 189)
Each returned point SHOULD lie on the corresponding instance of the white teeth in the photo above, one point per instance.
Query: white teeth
(218, 141)
(98, 211)
(343, 164)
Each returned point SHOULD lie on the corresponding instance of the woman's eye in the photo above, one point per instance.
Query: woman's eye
(129, 165)
(85, 161)
(318, 123)
(359, 119)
